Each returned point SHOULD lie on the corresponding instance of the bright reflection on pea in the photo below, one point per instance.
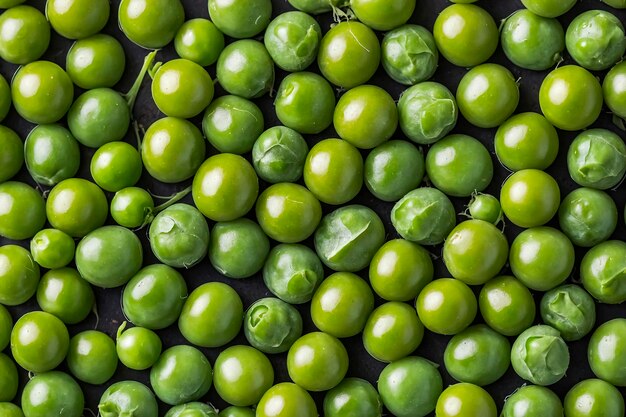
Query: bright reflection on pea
(453, 26)
(559, 91)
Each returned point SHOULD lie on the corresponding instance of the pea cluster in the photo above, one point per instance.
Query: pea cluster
(331, 218)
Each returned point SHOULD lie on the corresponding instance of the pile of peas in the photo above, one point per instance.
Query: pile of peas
(345, 208)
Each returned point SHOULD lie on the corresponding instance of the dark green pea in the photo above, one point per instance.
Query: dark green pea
(427, 112)
(613, 88)
(409, 54)
(8, 378)
(64, 293)
(593, 398)
(234, 411)
(179, 236)
(109, 256)
(116, 165)
(22, 210)
(12, 156)
(618, 4)
(272, 325)
(52, 393)
(195, 409)
(138, 348)
(92, 357)
(6, 324)
(293, 272)
(25, 35)
(603, 272)
(532, 401)
(570, 310)
(154, 297)
(5, 98)
(292, 40)
(485, 207)
(353, 397)
(278, 155)
(241, 18)
(129, 397)
(150, 26)
(588, 216)
(7, 4)
(132, 207)
(51, 154)
(10, 410)
(238, 248)
(348, 238)
(232, 124)
(540, 355)
(245, 68)
(425, 216)
(96, 62)
(19, 275)
(200, 41)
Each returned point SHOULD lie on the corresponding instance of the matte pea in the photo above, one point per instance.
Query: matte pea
(278, 155)
(587, 216)
(409, 54)
(292, 40)
(540, 355)
(570, 310)
(272, 325)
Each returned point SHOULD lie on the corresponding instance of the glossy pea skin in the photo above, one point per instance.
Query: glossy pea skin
(602, 272)
(531, 41)
(530, 197)
(52, 393)
(606, 352)
(12, 157)
(427, 112)
(7, 4)
(485, 207)
(232, 124)
(284, 400)
(22, 210)
(138, 348)
(570, 310)
(292, 272)
(399, 270)
(465, 399)
(587, 216)
(200, 41)
(64, 293)
(410, 387)
(475, 251)
(77, 19)
(42, 92)
(614, 89)
(128, 397)
(19, 275)
(349, 54)
(92, 357)
(152, 26)
(595, 39)
(392, 332)
(154, 297)
(8, 378)
(549, 8)
(181, 374)
(173, 149)
(446, 306)
(39, 341)
(478, 355)
(409, 54)
(353, 397)
(238, 248)
(532, 401)
(305, 102)
(116, 165)
(459, 165)
(25, 34)
(381, 15)
(570, 97)
(317, 361)
(51, 154)
(212, 315)
(225, 187)
(465, 34)
(507, 305)
(245, 69)
(392, 169)
(592, 398)
(618, 4)
(366, 116)
(348, 238)
(292, 40)
(315, 7)
(241, 18)
(131, 206)
(10, 410)
(196, 409)
(288, 212)
(278, 155)
(6, 324)
(272, 325)
(96, 62)
(597, 159)
(540, 355)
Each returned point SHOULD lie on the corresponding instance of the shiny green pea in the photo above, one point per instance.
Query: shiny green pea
(200, 41)
(22, 210)
(485, 207)
(353, 397)
(532, 401)
(12, 156)
(116, 165)
(19, 275)
(92, 357)
(602, 272)
(51, 154)
(131, 207)
(95, 62)
(245, 68)
(64, 293)
(241, 18)
(138, 348)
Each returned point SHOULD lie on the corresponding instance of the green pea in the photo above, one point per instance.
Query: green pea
(317, 361)
(128, 397)
(618, 4)
(549, 8)
(446, 306)
(353, 397)
(245, 68)
(152, 26)
(92, 357)
(8, 378)
(507, 305)
(241, 18)
(593, 397)
(52, 393)
(39, 342)
(196, 409)
(51, 154)
(532, 401)
(465, 399)
(26, 35)
(613, 90)
(22, 210)
(12, 156)
(5, 98)
(292, 40)
(138, 348)
(131, 207)
(96, 62)
(409, 54)
(315, 7)
(116, 165)
(570, 310)
(485, 207)
(382, 15)
(606, 352)
(19, 275)
(10, 410)
(77, 19)
(285, 400)
(530, 197)
(272, 325)
(540, 356)
(64, 293)
(602, 272)
(278, 155)
(200, 41)
(234, 411)
(6, 324)
(588, 216)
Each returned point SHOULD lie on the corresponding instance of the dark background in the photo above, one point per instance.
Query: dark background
(251, 289)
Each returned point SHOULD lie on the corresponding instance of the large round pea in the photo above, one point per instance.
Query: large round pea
(238, 248)
(154, 297)
(19, 275)
(507, 305)
(286, 400)
(570, 310)
(116, 165)
(353, 397)
(532, 401)
(593, 397)
(150, 26)
(196, 409)
(278, 155)
(245, 68)
(39, 341)
(317, 361)
(109, 256)
(130, 397)
(138, 348)
(200, 41)
(614, 89)
(95, 62)
(607, 352)
(531, 41)
(540, 355)
(446, 306)
(212, 315)
(232, 124)
(570, 97)
(392, 332)
(348, 238)
(530, 198)
(293, 272)
(602, 272)
(6, 324)
(92, 357)
(288, 212)
(172, 150)
(132, 207)
(52, 393)
(12, 156)
(240, 18)
(22, 210)
(549, 8)
(409, 54)
(272, 325)
(459, 165)
(25, 34)
(588, 216)
(42, 92)
(382, 15)
(225, 187)
(8, 378)
(64, 293)
(475, 251)
(179, 236)
(77, 19)
(427, 112)
(465, 399)
(465, 34)
(292, 40)
(349, 54)
(51, 154)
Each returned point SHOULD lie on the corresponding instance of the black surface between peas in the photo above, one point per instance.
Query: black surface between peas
(251, 289)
